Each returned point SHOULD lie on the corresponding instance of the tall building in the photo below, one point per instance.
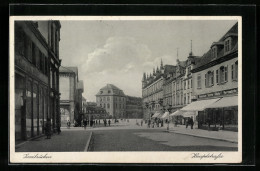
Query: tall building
(152, 90)
(71, 90)
(113, 100)
(36, 77)
(134, 107)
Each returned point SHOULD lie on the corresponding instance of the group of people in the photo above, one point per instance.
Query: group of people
(154, 123)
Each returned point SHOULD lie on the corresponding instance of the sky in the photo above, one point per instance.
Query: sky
(119, 52)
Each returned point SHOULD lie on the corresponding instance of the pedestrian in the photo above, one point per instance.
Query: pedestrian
(48, 128)
(68, 124)
(191, 123)
(58, 128)
(162, 123)
(187, 122)
(109, 122)
(149, 123)
(96, 122)
(141, 122)
(99, 121)
(85, 124)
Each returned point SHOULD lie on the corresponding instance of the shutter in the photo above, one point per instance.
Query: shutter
(212, 78)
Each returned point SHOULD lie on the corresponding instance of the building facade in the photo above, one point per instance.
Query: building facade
(215, 76)
(152, 90)
(134, 107)
(71, 90)
(113, 100)
(36, 77)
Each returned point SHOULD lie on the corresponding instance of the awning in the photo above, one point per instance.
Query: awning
(199, 105)
(166, 114)
(188, 114)
(156, 115)
(225, 102)
(176, 113)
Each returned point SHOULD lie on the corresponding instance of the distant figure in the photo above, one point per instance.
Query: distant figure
(162, 123)
(85, 123)
(141, 122)
(187, 122)
(68, 124)
(109, 122)
(191, 123)
(105, 122)
(58, 128)
(149, 123)
(48, 128)
(99, 121)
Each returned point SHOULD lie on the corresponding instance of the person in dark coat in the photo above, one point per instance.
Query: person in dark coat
(48, 128)
(109, 122)
(58, 128)
(85, 123)
(191, 123)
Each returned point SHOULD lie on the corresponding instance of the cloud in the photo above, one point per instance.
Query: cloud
(119, 61)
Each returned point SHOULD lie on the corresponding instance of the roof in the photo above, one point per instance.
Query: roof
(68, 69)
(207, 57)
(110, 90)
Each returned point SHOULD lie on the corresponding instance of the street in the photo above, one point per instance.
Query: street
(123, 138)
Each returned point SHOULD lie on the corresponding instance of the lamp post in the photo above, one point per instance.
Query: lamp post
(168, 123)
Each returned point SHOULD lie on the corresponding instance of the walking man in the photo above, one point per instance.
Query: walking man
(109, 122)
(191, 123)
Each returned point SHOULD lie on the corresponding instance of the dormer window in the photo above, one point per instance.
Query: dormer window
(214, 52)
(227, 45)
(101, 92)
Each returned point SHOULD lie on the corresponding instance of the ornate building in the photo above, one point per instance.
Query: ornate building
(36, 77)
(134, 107)
(152, 89)
(113, 100)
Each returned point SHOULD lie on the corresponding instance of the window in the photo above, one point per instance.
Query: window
(188, 84)
(199, 81)
(214, 52)
(108, 99)
(223, 71)
(108, 105)
(226, 74)
(184, 98)
(227, 45)
(185, 85)
(188, 98)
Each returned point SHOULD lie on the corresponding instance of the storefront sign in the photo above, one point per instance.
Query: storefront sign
(218, 93)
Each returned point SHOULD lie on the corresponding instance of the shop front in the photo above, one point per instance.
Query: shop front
(222, 115)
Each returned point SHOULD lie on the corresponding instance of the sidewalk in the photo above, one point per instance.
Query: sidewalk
(218, 135)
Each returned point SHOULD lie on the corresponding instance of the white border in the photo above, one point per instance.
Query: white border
(122, 157)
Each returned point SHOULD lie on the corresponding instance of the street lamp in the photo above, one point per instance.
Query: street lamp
(169, 110)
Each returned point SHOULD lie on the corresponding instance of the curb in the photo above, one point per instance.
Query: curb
(205, 137)
(30, 139)
(88, 142)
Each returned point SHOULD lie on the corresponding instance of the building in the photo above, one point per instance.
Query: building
(134, 107)
(113, 100)
(152, 90)
(71, 90)
(95, 112)
(215, 84)
(36, 77)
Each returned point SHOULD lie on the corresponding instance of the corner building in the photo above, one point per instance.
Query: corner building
(113, 100)
(36, 77)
